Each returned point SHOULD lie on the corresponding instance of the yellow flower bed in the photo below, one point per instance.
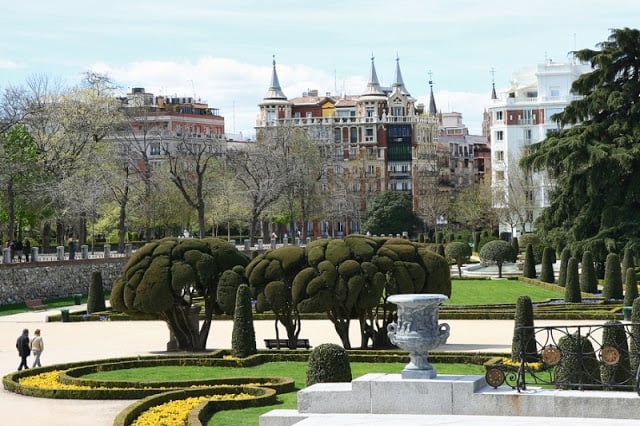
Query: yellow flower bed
(533, 366)
(49, 380)
(175, 413)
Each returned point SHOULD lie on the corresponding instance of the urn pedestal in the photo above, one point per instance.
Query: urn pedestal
(417, 331)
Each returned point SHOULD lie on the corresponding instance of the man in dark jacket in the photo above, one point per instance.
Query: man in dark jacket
(23, 349)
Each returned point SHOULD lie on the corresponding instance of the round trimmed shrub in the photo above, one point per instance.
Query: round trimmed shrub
(459, 253)
(572, 288)
(612, 287)
(328, 363)
(573, 368)
(498, 252)
(588, 278)
(546, 269)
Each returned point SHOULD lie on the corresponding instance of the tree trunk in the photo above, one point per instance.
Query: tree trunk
(201, 220)
(122, 217)
(11, 209)
(341, 326)
(183, 324)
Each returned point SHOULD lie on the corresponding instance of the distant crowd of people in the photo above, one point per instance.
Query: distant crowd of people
(19, 250)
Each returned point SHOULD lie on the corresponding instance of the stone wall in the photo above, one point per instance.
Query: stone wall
(46, 280)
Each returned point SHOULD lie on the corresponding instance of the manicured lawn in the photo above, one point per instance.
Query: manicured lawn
(489, 292)
(295, 370)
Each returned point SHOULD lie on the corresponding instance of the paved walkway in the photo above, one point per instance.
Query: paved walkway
(79, 341)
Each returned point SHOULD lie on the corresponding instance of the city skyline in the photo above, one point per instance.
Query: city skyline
(222, 52)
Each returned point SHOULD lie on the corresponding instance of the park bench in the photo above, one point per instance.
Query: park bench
(284, 344)
(35, 304)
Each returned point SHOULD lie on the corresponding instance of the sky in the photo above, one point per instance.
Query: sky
(221, 51)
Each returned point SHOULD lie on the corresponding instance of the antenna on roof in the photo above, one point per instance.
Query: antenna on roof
(193, 87)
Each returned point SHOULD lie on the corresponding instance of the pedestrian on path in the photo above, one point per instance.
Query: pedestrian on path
(37, 346)
(23, 349)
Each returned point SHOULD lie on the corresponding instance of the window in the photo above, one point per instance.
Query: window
(155, 148)
(368, 134)
(499, 135)
(499, 116)
(296, 114)
(353, 135)
(337, 135)
(554, 92)
(500, 175)
(309, 114)
(499, 155)
(397, 111)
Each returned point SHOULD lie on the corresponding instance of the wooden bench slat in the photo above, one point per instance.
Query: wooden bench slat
(35, 304)
(284, 343)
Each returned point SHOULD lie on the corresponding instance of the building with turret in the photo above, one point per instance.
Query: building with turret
(378, 140)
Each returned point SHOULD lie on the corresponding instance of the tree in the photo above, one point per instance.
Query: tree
(459, 253)
(572, 288)
(546, 269)
(243, 336)
(562, 273)
(498, 252)
(630, 287)
(473, 206)
(524, 340)
(529, 269)
(612, 287)
(165, 277)
(588, 279)
(592, 156)
(390, 213)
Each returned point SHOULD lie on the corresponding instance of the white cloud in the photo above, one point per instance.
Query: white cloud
(8, 64)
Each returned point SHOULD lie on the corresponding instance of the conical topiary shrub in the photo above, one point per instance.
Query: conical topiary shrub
(634, 341)
(564, 259)
(612, 287)
(572, 288)
(578, 363)
(243, 336)
(615, 369)
(588, 278)
(529, 270)
(516, 248)
(628, 260)
(476, 241)
(524, 339)
(546, 269)
(630, 287)
(95, 300)
(328, 363)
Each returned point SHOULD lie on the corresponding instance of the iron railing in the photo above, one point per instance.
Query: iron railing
(603, 356)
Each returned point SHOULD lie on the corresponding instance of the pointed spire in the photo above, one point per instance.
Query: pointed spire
(493, 84)
(373, 86)
(432, 100)
(274, 91)
(397, 78)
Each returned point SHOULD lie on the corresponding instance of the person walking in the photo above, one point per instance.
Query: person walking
(26, 249)
(23, 349)
(37, 346)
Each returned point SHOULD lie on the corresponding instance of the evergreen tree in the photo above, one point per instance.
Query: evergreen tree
(546, 269)
(601, 128)
(634, 341)
(615, 336)
(516, 248)
(95, 299)
(588, 279)
(390, 213)
(630, 287)
(612, 288)
(572, 288)
(529, 270)
(524, 337)
(564, 259)
(243, 336)
(627, 260)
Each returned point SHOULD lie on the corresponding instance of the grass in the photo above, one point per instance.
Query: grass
(295, 370)
(490, 292)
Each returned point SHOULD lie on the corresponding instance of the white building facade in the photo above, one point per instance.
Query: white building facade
(518, 118)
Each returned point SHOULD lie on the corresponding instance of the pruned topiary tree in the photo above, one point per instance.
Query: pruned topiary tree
(529, 268)
(524, 339)
(628, 260)
(612, 286)
(516, 249)
(546, 268)
(498, 252)
(588, 278)
(95, 299)
(459, 253)
(614, 338)
(165, 277)
(572, 287)
(243, 335)
(564, 260)
(634, 340)
(630, 287)
(328, 363)
(578, 363)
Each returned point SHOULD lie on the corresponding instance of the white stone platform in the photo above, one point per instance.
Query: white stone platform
(379, 395)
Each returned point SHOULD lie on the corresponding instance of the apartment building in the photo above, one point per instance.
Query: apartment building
(518, 117)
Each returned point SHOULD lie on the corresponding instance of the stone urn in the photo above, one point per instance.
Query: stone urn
(417, 331)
